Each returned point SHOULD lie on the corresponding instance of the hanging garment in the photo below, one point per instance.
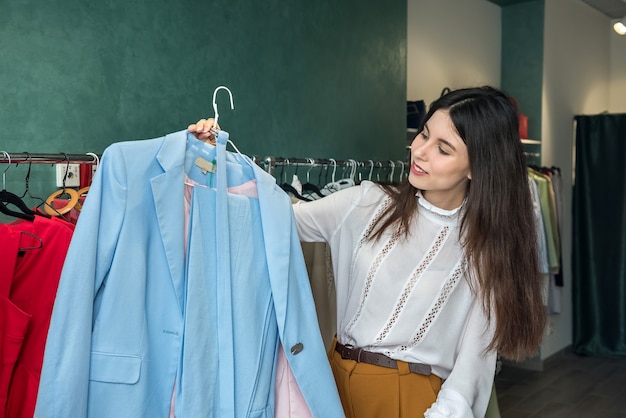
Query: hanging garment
(122, 299)
(13, 321)
(30, 266)
(320, 269)
(547, 204)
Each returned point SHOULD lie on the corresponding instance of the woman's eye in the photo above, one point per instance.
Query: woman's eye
(442, 151)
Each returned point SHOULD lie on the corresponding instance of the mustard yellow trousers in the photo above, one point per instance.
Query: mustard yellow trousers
(369, 391)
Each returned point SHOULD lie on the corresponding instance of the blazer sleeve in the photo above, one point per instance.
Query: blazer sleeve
(63, 388)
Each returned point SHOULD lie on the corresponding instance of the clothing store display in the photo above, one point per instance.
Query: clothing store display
(147, 331)
(429, 287)
(546, 194)
(186, 277)
(320, 269)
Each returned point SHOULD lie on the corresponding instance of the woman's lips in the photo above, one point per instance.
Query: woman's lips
(417, 170)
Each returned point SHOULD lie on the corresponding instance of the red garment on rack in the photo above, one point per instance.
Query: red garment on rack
(31, 260)
(13, 321)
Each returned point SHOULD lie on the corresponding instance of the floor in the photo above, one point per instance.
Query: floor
(569, 386)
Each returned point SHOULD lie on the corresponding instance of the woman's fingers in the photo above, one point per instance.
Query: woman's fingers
(203, 130)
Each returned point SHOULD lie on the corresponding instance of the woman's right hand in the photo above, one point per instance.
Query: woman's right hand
(203, 130)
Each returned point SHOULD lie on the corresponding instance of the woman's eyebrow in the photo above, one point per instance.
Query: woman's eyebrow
(448, 143)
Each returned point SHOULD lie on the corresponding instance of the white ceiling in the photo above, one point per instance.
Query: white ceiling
(615, 9)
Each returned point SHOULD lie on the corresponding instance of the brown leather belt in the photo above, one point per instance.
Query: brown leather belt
(352, 353)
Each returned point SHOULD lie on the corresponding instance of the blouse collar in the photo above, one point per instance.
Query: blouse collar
(449, 214)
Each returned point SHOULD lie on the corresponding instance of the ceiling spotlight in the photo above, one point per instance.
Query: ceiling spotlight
(619, 26)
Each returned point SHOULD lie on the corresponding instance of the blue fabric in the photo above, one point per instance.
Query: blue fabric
(123, 323)
(224, 291)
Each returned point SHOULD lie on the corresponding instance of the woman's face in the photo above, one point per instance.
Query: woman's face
(439, 162)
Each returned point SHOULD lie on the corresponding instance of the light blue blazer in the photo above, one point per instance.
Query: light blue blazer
(123, 335)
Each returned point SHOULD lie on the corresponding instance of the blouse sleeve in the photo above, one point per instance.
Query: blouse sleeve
(319, 220)
(466, 392)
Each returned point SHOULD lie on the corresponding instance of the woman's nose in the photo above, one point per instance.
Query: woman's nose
(419, 149)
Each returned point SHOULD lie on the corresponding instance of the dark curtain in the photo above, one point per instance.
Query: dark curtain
(599, 236)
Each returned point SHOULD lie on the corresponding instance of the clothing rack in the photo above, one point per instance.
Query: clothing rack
(268, 163)
(39, 158)
(271, 163)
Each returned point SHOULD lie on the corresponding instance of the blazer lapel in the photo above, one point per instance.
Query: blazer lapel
(168, 193)
(277, 220)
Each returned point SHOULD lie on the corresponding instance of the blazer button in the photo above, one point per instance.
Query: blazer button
(297, 348)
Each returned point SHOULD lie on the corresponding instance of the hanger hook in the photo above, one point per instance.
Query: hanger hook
(284, 172)
(8, 157)
(352, 166)
(401, 164)
(334, 169)
(312, 164)
(230, 94)
(96, 159)
(380, 167)
(4, 173)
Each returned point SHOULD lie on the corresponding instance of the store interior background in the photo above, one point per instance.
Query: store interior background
(572, 63)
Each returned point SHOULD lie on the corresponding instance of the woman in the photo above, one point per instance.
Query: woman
(435, 276)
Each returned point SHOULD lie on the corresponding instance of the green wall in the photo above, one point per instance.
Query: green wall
(522, 70)
(321, 79)
(522, 63)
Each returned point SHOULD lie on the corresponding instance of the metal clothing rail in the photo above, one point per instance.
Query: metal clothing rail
(272, 162)
(39, 158)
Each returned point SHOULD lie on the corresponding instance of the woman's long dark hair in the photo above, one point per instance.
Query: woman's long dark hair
(497, 228)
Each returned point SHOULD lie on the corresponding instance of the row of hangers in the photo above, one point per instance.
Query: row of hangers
(352, 172)
(13, 205)
(352, 169)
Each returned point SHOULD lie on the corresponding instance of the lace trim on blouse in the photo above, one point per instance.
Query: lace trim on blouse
(370, 227)
(450, 284)
(408, 289)
(391, 242)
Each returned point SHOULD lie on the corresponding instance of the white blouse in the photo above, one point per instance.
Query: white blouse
(406, 297)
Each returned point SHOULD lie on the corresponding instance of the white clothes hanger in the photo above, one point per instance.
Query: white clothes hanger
(343, 183)
(401, 179)
(393, 169)
(95, 158)
(214, 129)
(217, 115)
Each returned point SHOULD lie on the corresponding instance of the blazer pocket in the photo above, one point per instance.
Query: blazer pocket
(115, 368)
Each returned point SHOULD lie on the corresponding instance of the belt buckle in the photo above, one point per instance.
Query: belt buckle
(345, 351)
(352, 348)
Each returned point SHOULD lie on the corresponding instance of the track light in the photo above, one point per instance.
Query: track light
(619, 26)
